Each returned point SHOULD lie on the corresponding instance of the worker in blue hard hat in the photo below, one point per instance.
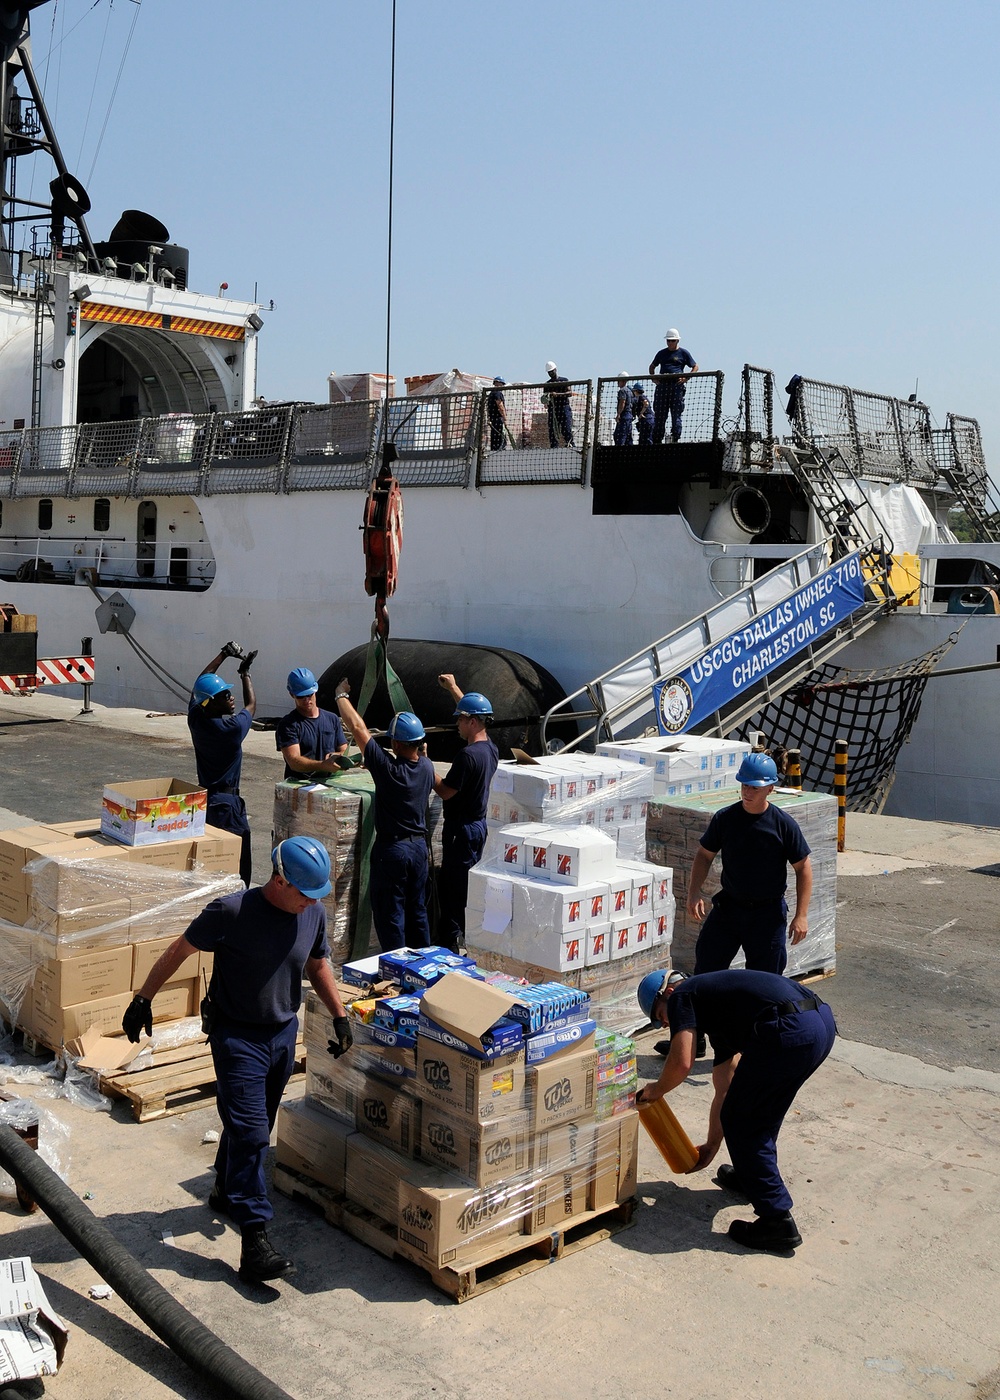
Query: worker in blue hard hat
(308, 738)
(464, 790)
(642, 412)
(263, 941)
(403, 779)
(769, 1035)
(217, 732)
(757, 841)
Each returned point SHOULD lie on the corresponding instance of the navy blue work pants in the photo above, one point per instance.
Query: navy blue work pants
(644, 426)
(785, 1051)
(759, 929)
(668, 401)
(399, 893)
(623, 431)
(561, 424)
(228, 812)
(461, 849)
(252, 1066)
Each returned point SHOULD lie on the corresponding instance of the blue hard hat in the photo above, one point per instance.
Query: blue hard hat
(757, 770)
(652, 985)
(638, 389)
(474, 703)
(304, 863)
(301, 682)
(405, 727)
(208, 686)
(498, 380)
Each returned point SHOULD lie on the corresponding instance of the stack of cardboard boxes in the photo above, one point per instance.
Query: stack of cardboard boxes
(332, 811)
(85, 917)
(675, 826)
(466, 1115)
(558, 898)
(684, 765)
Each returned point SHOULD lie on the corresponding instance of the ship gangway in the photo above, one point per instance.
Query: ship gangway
(712, 673)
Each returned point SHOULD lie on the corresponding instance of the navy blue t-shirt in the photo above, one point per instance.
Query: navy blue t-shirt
(756, 850)
(401, 792)
(470, 775)
(260, 953)
(725, 1006)
(673, 361)
(315, 737)
(218, 746)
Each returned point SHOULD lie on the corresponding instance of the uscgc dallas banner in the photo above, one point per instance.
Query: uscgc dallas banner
(722, 672)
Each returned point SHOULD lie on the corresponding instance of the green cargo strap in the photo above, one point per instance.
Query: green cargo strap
(361, 784)
(378, 665)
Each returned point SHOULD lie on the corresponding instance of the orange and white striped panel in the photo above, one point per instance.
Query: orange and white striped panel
(160, 321)
(51, 670)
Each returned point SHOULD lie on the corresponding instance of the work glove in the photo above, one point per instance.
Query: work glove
(232, 649)
(138, 1018)
(247, 662)
(344, 1041)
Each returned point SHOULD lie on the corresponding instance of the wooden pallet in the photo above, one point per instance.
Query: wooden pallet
(179, 1081)
(505, 1261)
(817, 974)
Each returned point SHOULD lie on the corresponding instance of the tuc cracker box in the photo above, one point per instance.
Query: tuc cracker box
(157, 809)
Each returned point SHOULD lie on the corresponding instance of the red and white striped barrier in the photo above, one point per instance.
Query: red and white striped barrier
(51, 670)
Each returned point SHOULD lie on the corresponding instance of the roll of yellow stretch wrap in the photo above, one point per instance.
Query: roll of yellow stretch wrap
(676, 1148)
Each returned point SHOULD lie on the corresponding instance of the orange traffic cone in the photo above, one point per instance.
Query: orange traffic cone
(676, 1148)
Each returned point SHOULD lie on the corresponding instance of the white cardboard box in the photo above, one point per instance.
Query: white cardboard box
(579, 855)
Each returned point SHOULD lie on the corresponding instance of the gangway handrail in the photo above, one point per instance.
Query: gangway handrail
(871, 552)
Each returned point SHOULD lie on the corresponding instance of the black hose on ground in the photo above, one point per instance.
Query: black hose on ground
(172, 1323)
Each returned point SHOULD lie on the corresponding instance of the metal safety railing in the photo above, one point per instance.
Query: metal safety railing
(534, 434)
(556, 432)
(663, 409)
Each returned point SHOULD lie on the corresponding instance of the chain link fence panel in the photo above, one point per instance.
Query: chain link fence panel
(534, 434)
(247, 451)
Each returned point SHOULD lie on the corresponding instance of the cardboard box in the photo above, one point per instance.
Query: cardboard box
(562, 1172)
(330, 1091)
(468, 1008)
(144, 955)
(15, 905)
(388, 1115)
(598, 944)
(616, 1162)
(54, 1024)
(562, 1090)
(553, 1044)
(68, 981)
(313, 1142)
(176, 999)
(106, 923)
(472, 1088)
(480, 1153)
(580, 855)
(373, 1176)
(444, 1224)
(157, 809)
(217, 851)
(34, 1335)
(19, 845)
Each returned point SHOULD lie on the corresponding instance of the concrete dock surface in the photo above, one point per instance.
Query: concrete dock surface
(892, 1153)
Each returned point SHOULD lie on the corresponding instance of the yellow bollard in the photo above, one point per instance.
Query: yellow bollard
(840, 791)
(793, 769)
(676, 1148)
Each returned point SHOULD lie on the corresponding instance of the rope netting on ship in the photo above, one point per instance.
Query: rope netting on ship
(873, 710)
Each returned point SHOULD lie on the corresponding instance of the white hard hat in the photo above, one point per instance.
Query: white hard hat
(672, 335)
(549, 365)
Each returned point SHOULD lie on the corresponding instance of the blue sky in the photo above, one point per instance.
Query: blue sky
(810, 188)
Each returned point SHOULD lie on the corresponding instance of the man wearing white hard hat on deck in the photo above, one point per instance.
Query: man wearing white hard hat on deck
(668, 398)
(556, 397)
(309, 738)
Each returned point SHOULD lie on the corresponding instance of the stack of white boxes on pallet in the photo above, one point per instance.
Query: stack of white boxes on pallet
(564, 886)
(684, 765)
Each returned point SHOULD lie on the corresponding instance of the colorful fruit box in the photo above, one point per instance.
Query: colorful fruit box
(157, 809)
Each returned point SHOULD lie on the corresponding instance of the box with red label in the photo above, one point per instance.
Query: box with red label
(580, 855)
(552, 949)
(643, 925)
(619, 894)
(598, 944)
(543, 905)
(623, 938)
(159, 809)
(663, 928)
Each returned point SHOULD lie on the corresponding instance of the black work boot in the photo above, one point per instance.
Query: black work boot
(662, 1047)
(778, 1234)
(259, 1260)
(727, 1176)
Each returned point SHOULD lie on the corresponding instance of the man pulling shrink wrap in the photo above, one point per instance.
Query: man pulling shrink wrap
(769, 1035)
